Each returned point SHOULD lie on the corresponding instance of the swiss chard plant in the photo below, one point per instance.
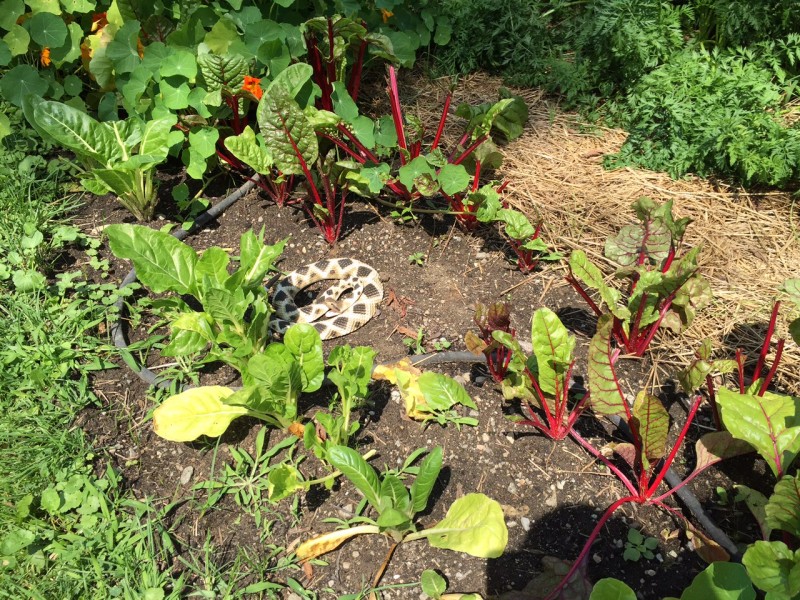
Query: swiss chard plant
(474, 523)
(119, 157)
(488, 319)
(233, 325)
(648, 456)
(542, 381)
(663, 289)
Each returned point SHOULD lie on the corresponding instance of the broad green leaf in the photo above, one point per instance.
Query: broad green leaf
(162, 263)
(5, 54)
(608, 397)
(720, 581)
(474, 524)
(70, 51)
(287, 131)
(426, 478)
(653, 240)
(213, 263)
(123, 51)
(651, 421)
(553, 347)
(278, 385)
(392, 519)
(250, 150)
(10, 11)
(22, 81)
(757, 504)
(343, 104)
(197, 322)
(303, 341)
(174, 97)
(155, 137)
(77, 131)
(256, 258)
(202, 145)
(18, 40)
(454, 179)
(195, 412)
(290, 81)
(226, 307)
(221, 36)
(783, 508)
(180, 63)
(716, 446)
(47, 30)
(611, 589)
(582, 268)
(442, 392)
(222, 71)
(769, 423)
(517, 225)
(358, 471)
(409, 173)
(432, 583)
(396, 494)
(283, 481)
(774, 569)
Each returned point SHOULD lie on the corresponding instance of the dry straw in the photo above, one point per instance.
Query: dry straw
(749, 240)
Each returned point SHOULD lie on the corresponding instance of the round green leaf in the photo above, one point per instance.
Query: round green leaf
(10, 11)
(180, 63)
(5, 54)
(73, 86)
(612, 589)
(474, 524)
(432, 583)
(21, 81)
(17, 39)
(48, 30)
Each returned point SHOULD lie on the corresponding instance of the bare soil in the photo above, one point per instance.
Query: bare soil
(552, 493)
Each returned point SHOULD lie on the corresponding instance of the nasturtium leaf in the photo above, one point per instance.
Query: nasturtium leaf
(221, 36)
(770, 423)
(50, 6)
(5, 54)
(78, 6)
(651, 421)
(303, 341)
(553, 347)
(195, 412)
(426, 478)
(611, 589)
(47, 30)
(454, 179)
(21, 81)
(433, 584)
(179, 63)
(123, 51)
(474, 524)
(374, 177)
(202, 145)
(774, 568)
(250, 150)
(358, 471)
(343, 104)
(442, 392)
(411, 171)
(10, 11)
(174, 97)
(783, 508)
(608, 397)
(720, 581)
(18, 39)
(73, 86)
(162, 263)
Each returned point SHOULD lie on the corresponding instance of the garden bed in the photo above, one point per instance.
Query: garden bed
(552, 492)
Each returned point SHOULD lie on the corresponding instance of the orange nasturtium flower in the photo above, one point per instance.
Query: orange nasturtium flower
(44, 57)
(99, 21)
(385, 14)
(252, 85)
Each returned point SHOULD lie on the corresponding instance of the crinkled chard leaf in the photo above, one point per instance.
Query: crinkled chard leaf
(604, 386)
(287, 131)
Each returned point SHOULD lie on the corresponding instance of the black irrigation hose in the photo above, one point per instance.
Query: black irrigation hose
(118, 335)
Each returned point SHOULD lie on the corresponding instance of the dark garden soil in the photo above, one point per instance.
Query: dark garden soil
(552, 493)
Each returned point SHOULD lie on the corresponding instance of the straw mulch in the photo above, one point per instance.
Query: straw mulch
(749, 240)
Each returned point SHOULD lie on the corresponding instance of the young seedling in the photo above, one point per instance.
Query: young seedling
(474, 523)
(662, 289)
(427, 396)
(418, 258)
(416, 344)
(646, 456)
(638, 546)
(543, 380)
(488, 319)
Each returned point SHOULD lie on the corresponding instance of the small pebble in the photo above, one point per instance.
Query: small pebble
(650, 573)
(186, 475)
(597, 558)
(526, 523)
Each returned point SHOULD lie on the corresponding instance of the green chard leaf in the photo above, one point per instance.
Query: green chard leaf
(783, 508)
(553, 347)
(358, 471)
(426, 478)
(304, 343)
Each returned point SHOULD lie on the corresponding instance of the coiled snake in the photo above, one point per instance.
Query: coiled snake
(341, 309)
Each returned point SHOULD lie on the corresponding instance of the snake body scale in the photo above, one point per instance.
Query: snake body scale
(341, 309)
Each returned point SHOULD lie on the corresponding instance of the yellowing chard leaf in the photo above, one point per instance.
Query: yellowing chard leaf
(195, 412)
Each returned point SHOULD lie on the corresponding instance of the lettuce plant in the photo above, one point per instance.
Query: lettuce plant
(119, 157)
(233, 325)
(543, 380)
(663, 289)
(474, 524)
